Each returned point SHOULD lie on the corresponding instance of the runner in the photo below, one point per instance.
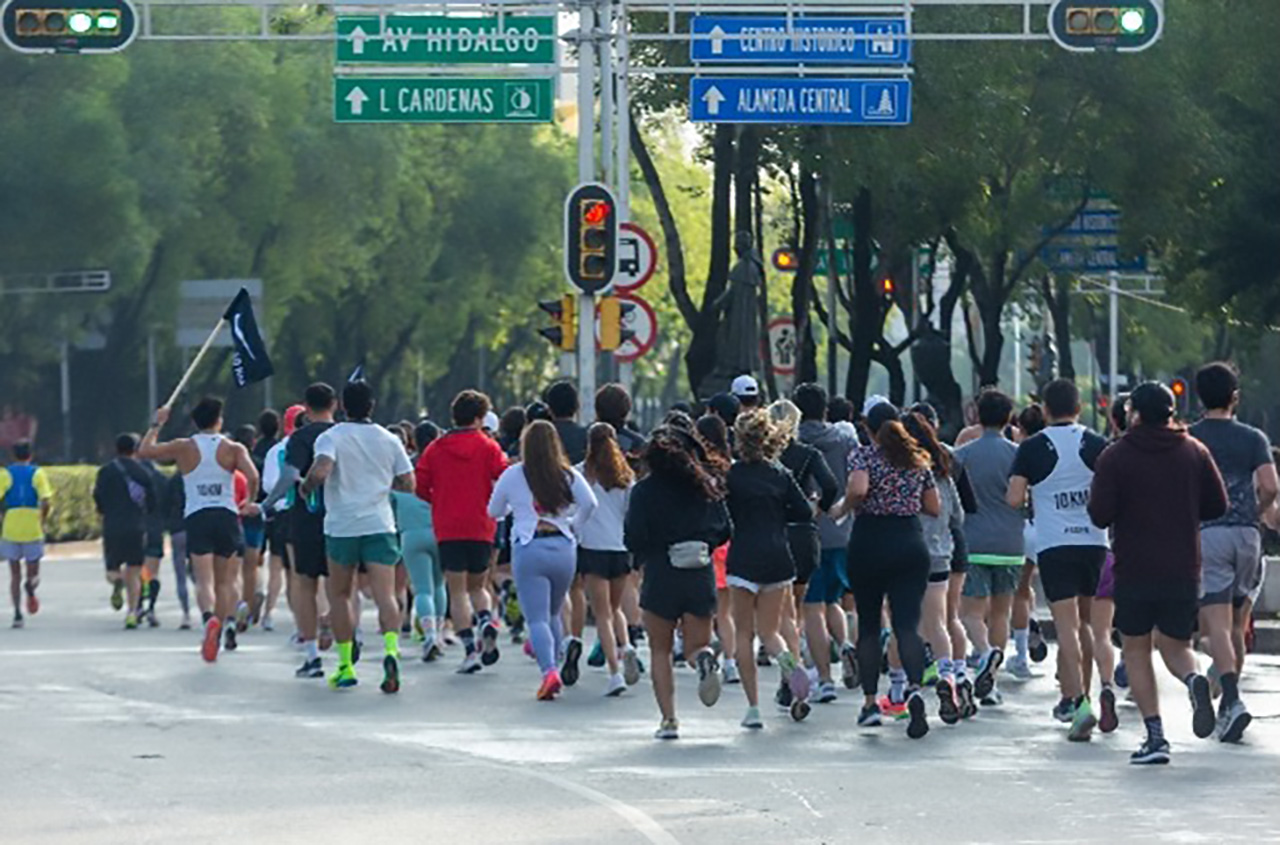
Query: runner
(996, 544)
(455, 475)
(1057, 467)
(890, 485)
(1028, 642)
(1231, 546)
(763, 500)
(718, 459)
(207, 461)
(268, 438)
(562, 400)
(25, 496)
(551, 504)
(359, 464)
(824, 618)
(675, 518)
(1153, 488)
(255, 529)
(125, 496)
(174, 500)
(422, 557)
(747, 391)
(278, 524)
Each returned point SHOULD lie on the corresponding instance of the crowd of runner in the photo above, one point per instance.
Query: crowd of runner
(738, 536)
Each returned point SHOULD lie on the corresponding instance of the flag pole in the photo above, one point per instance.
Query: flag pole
(195, 362)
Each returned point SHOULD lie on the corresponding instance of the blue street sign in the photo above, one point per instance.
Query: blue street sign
(857, 102)
(848, 41)
(1090, 258)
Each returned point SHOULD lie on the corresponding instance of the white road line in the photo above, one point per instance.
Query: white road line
(82, 652)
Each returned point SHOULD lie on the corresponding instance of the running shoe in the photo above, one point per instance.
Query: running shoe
(985, 679)
(964, 694)
(931, 675)
(1018, 668)
(948, 707)
(631, 666)
(596, 658)
(1109, 720)
(797, 676)
(919, 725)
(33, 603)
(826, 692)
(708, 678)
(344, 678)
(489, 636)
(1152, 752)
(1122, 675)
(1082, 722)
(255, 609)
(470, 664)
(992, 699)
(310, 669)
(1233, 721)
(229, 638)
(131, 622)
(762, 656)
(528, 650)
(783, 696)
(242, 617)
(117, 595)
(17, 622)
(390, 675)
(431, 651)
(1202, 718)
(1036, 645)
(752, 720)
(800, 710)
(617, 686)
(730, 673)
(551, 686)
(896, 710)
(268, 624)
(669, 729)
(849, 666)
(185, 624)
(572, 654)
(212, 637)
(869, 717)
(1064, 710)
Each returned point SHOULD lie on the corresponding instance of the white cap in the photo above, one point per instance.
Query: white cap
(745, 386)
(491, 421)
(872, 401)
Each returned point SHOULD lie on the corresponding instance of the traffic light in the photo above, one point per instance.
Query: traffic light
(613, 319)
(785, 260)
(1181, 395)
(51, 26)
(887, 288)
(1088, 26)
(591, 238)
(564, 333)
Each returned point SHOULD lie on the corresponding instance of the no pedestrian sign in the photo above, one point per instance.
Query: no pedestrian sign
(442, 100)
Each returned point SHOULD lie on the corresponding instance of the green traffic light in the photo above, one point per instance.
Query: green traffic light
(108, 21)
(1133, 21)
(80, 22)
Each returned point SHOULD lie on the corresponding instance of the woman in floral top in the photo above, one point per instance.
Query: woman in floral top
(890, 484)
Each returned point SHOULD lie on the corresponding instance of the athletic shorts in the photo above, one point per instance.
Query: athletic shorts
(939, 569)
(1107, 580)
(278, 534)
(155, 544)
(1231, 567)
(30, 552)
(309, 555)
(125, 548)
(214, 531)
(985, 580)
(604, 564)
(754, 588)
(361, 551)
(720, 560)
(469, 556)
(1069, 572)
(255, 532)
(831, 580)
(674, 593)
(1175, 618)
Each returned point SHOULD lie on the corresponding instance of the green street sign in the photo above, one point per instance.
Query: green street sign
(366, 99)
(417, 39)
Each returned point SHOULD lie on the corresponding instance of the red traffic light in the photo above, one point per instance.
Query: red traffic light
(785, 260)
(1179, 387)
(595, 213)
(886, 286)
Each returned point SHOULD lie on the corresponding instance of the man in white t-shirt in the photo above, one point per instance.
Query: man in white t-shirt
(359, 463)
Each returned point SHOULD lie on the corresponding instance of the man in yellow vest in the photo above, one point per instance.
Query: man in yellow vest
(25, 493)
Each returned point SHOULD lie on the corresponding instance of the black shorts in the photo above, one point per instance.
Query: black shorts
(278, 534)
(1175, 618)
(309, 555)
(673, 593)
(469, 556)
(124, 548)
(1069, 572)
(155, 541)
(214, 531)
(603, 564)
(802, 539)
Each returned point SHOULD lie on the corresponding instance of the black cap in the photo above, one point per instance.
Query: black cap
(726, 406)
(881, 414)
(1154, 402)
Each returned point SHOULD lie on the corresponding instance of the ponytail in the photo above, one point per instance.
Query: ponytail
(900, 448)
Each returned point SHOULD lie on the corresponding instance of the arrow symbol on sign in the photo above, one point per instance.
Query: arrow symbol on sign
(717, 41)
(358, 36)
(356, 99)
(713, 98)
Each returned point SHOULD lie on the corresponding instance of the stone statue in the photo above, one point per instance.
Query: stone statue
(738, 340)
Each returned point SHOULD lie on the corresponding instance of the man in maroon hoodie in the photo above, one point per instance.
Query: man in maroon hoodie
(456, 474)
(1154, 487)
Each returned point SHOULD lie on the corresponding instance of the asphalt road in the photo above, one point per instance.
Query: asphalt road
(127, 737)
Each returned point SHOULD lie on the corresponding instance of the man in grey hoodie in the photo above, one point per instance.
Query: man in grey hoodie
(824, 617)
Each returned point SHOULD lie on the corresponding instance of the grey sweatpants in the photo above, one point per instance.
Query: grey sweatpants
(544, 570)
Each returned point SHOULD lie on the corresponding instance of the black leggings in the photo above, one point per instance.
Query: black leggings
(888, 558)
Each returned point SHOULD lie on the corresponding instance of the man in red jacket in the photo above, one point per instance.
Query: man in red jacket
(1154, 487)
(456, 474)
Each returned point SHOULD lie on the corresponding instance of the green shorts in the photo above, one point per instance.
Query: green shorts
(370, 548)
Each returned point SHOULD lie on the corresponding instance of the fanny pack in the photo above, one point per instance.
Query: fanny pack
(689, 554)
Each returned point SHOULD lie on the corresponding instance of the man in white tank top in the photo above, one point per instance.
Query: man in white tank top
(1057, 466)
(208, 463)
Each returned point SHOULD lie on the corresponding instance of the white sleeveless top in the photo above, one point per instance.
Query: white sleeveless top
(208, 485)
(1061, 501)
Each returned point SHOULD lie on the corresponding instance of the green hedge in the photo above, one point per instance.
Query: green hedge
(73, 515)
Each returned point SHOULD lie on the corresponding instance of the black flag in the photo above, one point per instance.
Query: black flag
(250, 363)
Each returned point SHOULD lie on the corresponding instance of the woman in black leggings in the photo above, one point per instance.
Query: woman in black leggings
(890, 484)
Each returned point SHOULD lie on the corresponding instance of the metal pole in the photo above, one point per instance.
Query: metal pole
(153, 389)
(1113, 365)
(1017, 356)
(608, 165)
(586, 173)
(64, 369)
(622, 152)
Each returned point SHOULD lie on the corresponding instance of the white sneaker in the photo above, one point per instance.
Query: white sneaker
(617, 686)
(268, 624)
(731, 675)
(1019, 668)
(631, 666)
(470, 664)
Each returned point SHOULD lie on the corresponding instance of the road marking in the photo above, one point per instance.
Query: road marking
(82, 652)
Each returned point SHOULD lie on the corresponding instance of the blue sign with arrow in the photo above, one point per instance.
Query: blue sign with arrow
(848, 41)
(836, 101)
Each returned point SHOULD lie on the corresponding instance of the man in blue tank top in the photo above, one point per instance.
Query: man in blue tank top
(25, 493)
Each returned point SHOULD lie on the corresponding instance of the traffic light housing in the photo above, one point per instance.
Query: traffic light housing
(613, 319)
(564, 333)
(1181, 395)
(887, 288)
(785, 260)
(55, 26)
(1087, 26)
(591, 238)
